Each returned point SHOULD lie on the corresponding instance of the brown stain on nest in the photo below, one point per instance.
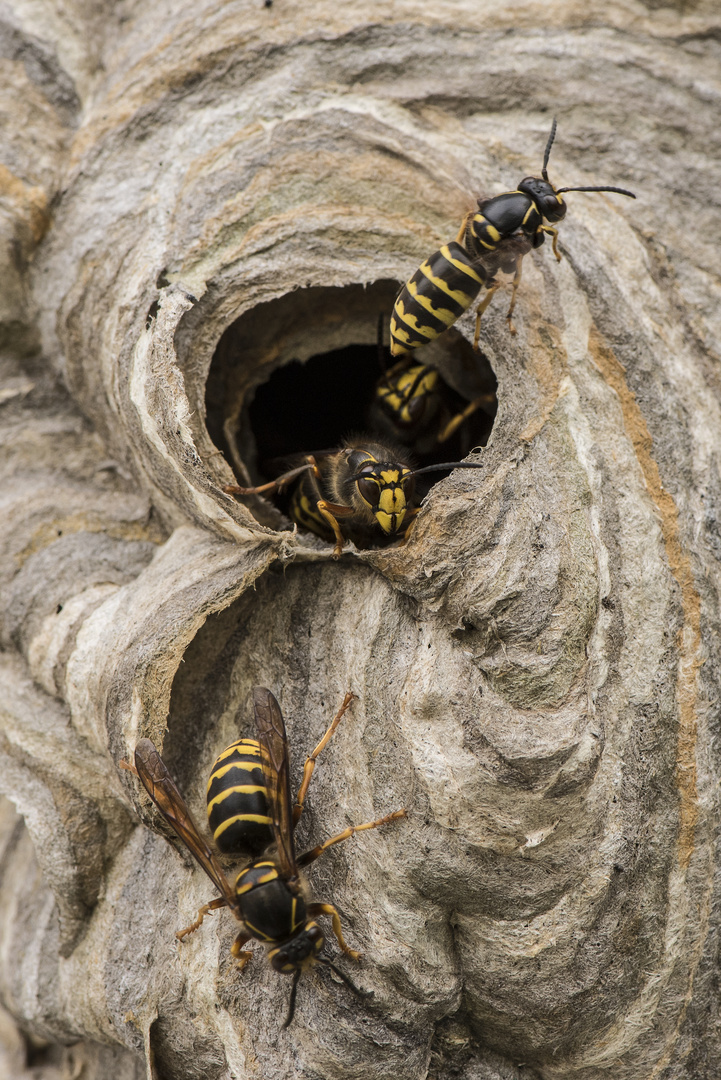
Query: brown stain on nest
(689, 638)
(28, 202)
(548, 364)
(50, 531)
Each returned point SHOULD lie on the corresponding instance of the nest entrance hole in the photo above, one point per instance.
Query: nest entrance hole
(298, 375)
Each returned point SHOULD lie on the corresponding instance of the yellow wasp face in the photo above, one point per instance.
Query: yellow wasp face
(382, 487)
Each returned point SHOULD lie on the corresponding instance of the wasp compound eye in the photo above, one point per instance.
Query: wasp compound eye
(368, 490)
(315, 937)
(280, 961)
(552, 208)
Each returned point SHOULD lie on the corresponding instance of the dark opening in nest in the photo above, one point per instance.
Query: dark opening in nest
(299, 375)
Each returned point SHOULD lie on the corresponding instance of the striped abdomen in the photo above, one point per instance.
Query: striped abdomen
(304, 508)
(442, 288)
(237, 802)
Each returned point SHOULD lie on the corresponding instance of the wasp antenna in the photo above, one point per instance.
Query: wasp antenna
(449, 465)
(341, 975)
(618, 190)
(549, 144)
(291, 1004)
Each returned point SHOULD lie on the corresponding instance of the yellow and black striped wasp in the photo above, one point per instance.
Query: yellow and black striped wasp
(269, 896)
(365, 485)
(413, 403)
(411, 397)
(494, 238)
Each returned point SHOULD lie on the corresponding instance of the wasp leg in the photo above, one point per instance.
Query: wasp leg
(123, 764)
(331, 512)
(237, 951)
(453, 424)
(515, 284)
(312, 855)
(404, 362)
(328, 909)
(554, 234)
(462, 231)
(310, 760)
(479, 313)
(212, 906)
(274, 485)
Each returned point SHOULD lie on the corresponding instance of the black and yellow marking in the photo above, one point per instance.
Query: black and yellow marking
(381, 488)
(267, 897)
(486, 234)
(286, 968)
(271, 911)
(405, 396)
(238, 812)
(494, 239)
(304, 510)
(390, 507)
(499, 218)
(261, 872)
(442, 288)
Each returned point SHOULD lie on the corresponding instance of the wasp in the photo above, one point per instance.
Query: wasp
(415, 404)
(494, 238)
(268, 897)
(365, 485)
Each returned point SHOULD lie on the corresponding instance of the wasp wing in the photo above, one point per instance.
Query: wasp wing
(272, 738)
(161, 788)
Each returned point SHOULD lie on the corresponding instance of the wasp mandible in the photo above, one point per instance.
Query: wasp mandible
(494, 238)
(269, 895)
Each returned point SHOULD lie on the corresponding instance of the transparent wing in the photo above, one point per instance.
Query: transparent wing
(161, 788)
(272, 738)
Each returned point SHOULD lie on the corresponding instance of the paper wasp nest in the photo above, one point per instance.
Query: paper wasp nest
(536, 669)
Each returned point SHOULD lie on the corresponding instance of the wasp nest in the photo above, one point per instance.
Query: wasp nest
(237, 187)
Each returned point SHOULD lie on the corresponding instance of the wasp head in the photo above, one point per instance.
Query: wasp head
(381, 488)
(298, 952)
(548, 202)
(547, 198)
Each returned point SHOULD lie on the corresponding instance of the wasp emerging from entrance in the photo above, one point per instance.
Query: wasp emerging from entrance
(494, 238)
(268, 897)
(365, 485)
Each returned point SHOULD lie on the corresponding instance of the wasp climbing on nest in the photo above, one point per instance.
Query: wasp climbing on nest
(494, 238)
(250, 808)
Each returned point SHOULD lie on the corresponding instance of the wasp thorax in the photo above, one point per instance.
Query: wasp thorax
(294, 954)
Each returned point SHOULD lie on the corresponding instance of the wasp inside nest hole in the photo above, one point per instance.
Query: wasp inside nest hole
(306, 402)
